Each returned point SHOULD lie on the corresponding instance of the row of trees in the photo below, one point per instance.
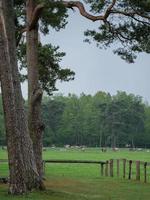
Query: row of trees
(121, 21)
(99, 120)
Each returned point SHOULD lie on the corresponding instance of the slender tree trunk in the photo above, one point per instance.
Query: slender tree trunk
(113, 141)
(133, 146)
(23, 171)
(35, 93)
(100, 138)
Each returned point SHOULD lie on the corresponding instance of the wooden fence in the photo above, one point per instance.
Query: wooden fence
(101, 163)
(127, 169)
(113, 167)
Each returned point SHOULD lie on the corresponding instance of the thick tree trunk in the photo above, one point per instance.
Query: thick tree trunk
(34, 91)
(23, 171)
(16, 183)
(16, 166)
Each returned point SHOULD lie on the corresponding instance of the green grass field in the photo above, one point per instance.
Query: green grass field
(83, 181)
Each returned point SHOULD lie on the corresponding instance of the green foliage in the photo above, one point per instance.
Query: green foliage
(99, 120)
(51, 114)
(126, 29)
(125, 118)
(97, 5)
(49, 69)
(54, 15)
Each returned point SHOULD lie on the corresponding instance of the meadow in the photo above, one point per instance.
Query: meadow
(84, 181)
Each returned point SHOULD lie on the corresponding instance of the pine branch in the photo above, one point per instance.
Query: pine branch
(84, 13)
(129, 14)
(70, 4)
(77, 4)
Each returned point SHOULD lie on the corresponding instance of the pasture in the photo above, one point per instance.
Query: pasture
(84, 181)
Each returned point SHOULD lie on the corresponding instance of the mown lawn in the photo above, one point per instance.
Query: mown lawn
(83, 181)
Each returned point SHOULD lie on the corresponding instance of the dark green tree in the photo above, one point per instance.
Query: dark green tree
(122, 24)
(50, 71)
(70, 122)
(99, 120)
(101, 102)
(52, 110)
(146, 136)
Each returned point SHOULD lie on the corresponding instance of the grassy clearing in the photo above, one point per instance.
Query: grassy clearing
(83, 181)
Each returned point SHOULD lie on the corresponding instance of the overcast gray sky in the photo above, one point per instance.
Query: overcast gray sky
(97, 69)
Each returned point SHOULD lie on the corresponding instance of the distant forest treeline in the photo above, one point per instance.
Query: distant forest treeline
(99, 120)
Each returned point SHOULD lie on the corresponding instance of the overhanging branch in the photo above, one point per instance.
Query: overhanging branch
(108, 11)
(84, 13)
(70, 4)
(77, 4)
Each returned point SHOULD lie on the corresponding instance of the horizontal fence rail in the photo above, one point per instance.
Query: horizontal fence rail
(75, 161)
(101, 163)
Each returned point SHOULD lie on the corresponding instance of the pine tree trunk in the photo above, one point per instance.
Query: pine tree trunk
(16, 165)
(35, 93)
(23, 171)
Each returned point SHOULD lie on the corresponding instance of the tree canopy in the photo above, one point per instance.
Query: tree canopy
(122, 24)
(98, 120)
(54, 15)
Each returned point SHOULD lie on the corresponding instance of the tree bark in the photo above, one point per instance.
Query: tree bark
(16, 178)
(35, 93)
(23, 171)
(16, 166)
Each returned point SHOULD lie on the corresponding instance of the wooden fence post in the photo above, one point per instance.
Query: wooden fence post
(111, 168)
(118, 172)
(130, 169)
(137, 170)
(145, 172)
(102, 169)
(124, 168)
(106, 168)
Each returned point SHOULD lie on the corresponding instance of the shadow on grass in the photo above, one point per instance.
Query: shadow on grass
(65, 188)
